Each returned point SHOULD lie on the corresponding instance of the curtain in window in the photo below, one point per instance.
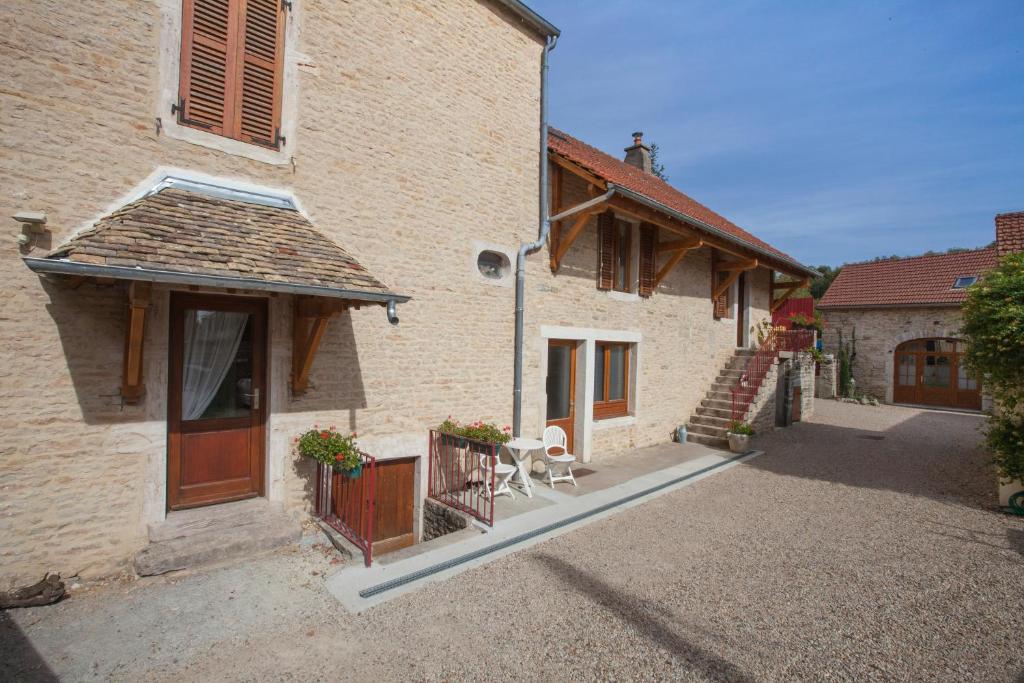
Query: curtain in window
(211, 343)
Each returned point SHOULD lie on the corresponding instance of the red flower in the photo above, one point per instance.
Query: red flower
(339, 457)
(325, 435)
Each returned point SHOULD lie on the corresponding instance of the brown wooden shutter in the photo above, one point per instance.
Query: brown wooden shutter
(206, 46)
(648, 256)
(259, 100)
(232, 55)
(721, 304)
(605, 250)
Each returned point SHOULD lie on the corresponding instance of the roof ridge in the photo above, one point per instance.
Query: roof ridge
(904, 259)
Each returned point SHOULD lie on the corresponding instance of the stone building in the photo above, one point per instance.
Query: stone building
(238, 219)
(904, 317)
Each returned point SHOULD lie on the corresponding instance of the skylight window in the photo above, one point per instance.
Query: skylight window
(965, 282)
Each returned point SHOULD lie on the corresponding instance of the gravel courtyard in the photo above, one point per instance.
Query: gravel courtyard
(865, 545)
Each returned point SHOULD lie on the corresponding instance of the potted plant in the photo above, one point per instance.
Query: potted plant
(331, 447)
(739, 436)
(477, 434)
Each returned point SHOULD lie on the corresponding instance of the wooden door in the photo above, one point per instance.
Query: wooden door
(931, 372)
(216, 401)
(741, 309)
(561, 387)
(393, 515)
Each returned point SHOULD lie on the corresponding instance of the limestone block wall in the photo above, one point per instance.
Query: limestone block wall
(879, 332)
(825, 384)
(415, 133)
(803, 370)
(682, 345)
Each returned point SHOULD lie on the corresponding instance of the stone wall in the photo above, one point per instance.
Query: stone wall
(440, 520)
(415, 133)
(879, 332)
(803, 372)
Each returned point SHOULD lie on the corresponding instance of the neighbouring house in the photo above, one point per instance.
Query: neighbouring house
(905, 316)
(242, 218)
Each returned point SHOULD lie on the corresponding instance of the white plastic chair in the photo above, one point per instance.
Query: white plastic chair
(502, 474)
(556, 456)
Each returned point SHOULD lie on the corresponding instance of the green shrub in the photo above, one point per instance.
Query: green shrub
(994, 330)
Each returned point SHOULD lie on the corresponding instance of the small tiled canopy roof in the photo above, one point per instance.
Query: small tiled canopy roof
(634, 179)
(917, 281)
(183, 235)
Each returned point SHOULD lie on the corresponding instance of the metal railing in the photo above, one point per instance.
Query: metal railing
(347, 504)
(761, 363)
(456, 476)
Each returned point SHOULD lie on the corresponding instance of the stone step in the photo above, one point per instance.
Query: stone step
(715, 412)
(719, 395)
(710, 420)
(714, 403)
(723, 386)
(210, 535)
(707, 430)
(704, 440)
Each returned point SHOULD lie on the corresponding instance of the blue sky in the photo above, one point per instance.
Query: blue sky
(837, 131)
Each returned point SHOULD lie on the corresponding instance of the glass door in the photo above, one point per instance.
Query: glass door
(561, 387)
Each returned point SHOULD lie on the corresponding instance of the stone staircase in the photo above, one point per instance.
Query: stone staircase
(710, 421)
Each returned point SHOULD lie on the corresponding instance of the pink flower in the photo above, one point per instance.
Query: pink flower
(353, 435)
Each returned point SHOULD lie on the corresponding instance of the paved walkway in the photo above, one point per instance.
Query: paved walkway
(864, 545)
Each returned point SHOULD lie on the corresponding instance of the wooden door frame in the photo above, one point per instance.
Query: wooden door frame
(918, 390)
(573, 345)
(179, 303)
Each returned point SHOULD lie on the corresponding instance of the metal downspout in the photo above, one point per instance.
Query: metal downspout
(524, 249)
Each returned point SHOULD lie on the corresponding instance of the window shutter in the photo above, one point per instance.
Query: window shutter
(648, 255)
(259, 99)
(205, 47)
(232, 56)
(721, 308)
(605, 250)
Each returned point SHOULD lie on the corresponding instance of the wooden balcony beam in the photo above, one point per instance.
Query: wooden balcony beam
(312, 314)
(680, 250)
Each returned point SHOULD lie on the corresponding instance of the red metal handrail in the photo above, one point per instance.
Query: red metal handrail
(348, 504)
(456, 478)
(761, 363)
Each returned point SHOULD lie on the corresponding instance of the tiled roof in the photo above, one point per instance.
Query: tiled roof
(632, 178)
(916, 281)
(1010, 232)
(181, 231)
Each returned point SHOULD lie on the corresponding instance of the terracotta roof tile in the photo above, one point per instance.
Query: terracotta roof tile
(920, 280)
(189, 232)
(632, 178)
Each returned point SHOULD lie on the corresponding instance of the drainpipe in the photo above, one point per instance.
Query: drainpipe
(528, 247)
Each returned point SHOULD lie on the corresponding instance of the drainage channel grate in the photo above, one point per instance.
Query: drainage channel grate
(871, 437)
(469, 557)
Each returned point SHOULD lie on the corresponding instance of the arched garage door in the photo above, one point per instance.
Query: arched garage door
(930, 372)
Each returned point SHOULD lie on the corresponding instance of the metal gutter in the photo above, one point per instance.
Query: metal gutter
(717, 232)
(65, 267)
(536, 21)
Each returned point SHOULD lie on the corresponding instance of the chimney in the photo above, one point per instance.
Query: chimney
(639, 154)
(1009, 233)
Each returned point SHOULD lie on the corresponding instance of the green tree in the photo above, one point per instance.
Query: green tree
(657, 168)
(994, 330)
(820, 285)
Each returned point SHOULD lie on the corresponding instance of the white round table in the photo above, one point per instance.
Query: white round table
(520, 448)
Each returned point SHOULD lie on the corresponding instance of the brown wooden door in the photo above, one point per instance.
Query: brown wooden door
(561, 387)
(931, 372)
(393, 516)
(216, 402)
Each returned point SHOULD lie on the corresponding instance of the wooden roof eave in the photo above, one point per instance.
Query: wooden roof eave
(628, 206)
